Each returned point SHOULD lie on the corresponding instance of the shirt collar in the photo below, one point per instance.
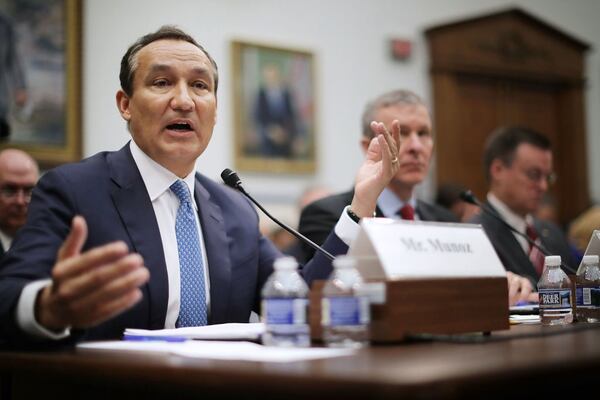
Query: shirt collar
(157, 178)
(512, 218)
(389, 203)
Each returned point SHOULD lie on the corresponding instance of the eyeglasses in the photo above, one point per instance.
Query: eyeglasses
(11, 191)
(535, 175)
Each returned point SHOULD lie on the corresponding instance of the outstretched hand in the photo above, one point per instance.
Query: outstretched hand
(91, 287)
(378, 169)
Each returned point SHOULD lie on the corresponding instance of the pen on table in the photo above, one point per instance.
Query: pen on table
(142, 338)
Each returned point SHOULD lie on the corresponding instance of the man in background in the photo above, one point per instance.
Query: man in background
(518, 167)
(18, 175)
(12, 76)
(398, 199)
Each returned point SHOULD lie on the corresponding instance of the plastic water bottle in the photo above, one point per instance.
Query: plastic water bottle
(284, 306)
(587, 290)
(345, 315)
(554, 290)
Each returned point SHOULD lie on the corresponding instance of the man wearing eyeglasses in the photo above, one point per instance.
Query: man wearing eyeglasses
(518, 167)
(18, 175)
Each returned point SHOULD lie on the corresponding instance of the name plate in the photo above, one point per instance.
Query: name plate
(389, 249)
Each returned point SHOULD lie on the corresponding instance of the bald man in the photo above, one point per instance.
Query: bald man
(18, 175)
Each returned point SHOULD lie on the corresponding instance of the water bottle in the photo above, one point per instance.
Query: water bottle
(284, 305)
(587, 290)
(554, 289)
(345, 315)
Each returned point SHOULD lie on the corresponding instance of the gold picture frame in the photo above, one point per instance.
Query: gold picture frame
(48, 38)
(274, 108)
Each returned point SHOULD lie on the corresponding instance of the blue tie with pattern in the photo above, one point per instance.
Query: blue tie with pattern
(192, 309)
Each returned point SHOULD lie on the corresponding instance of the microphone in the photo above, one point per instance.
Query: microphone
(232, 180)
(469, 197)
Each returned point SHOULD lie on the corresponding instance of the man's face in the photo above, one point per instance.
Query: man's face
(173, 108)
(416, 142)
(522, 185)
(16, 182)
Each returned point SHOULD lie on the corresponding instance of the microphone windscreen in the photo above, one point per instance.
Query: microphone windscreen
(230, 178)
(468, 197)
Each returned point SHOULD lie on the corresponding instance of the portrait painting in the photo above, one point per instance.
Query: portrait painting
(274, 109)
(40, 78)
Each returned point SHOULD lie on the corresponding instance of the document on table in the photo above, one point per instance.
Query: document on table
(244, 351)
(233, 331)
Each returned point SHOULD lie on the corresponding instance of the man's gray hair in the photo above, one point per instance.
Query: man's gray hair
(400, 96)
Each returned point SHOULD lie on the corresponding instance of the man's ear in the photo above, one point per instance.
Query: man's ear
(497, 167)
(123, 105)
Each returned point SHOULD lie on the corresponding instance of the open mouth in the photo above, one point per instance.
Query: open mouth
(180, 127)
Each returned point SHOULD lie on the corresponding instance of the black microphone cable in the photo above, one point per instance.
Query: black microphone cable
(232, 180)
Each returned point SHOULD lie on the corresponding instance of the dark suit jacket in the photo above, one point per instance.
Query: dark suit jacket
(319, 218)
(107, 189)
(510, 251)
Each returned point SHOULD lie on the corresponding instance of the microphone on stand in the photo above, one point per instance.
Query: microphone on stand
(469, 197)
(232, 180)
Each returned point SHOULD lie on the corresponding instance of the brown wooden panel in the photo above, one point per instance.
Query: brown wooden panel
(534, 81)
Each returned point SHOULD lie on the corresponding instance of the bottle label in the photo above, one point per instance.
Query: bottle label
(588, 297)
(555, 298)
(346, 311)
(284, 311)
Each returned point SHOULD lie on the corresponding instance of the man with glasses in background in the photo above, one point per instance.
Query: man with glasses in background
(18, 175)
(518, 168)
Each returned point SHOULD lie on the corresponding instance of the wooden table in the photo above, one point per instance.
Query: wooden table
(525, 361)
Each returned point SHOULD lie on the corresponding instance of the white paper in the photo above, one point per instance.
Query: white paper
(233, 331)
(244, 351)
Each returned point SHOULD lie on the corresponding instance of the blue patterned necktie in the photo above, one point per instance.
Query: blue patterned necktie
(192, 309)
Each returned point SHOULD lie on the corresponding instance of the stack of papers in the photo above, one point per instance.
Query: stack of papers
(524, 319)
(218, 343)
(244, 351)
(209, 332)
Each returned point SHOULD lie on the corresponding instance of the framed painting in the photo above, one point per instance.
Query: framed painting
(40, 78)
(274, 109)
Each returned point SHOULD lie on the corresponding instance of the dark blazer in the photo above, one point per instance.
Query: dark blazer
(108, 191)
(319, 218)
(510, 251)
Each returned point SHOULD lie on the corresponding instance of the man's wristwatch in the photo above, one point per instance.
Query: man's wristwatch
(353, 216)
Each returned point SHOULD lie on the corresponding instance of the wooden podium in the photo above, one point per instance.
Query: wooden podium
(430, 305)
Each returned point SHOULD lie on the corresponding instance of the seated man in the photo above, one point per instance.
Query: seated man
(136, 238)
(518, 167)
(398, 199)
(18, 175)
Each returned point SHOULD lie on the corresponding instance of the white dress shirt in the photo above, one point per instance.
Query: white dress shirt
(158, 180)
(390, 204)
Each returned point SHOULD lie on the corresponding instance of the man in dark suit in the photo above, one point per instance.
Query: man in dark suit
(398, 199)
(518, 167)
(18, 175)
(135, 238)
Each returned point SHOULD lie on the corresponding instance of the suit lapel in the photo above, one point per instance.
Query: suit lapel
(215, 243)
(507, 241)
(135, 209)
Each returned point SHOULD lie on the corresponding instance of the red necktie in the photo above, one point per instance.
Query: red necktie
(407, 212)
(535, 255)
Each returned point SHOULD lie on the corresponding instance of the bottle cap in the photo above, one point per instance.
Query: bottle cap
(590, 259)
(285, 263)
(552, 261)
(344, 262)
